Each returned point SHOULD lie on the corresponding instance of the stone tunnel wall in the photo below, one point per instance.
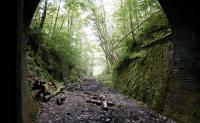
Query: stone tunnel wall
(29, 105)
(183, 100)
(26, 106)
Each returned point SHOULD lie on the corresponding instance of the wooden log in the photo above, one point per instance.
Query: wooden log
(94, 97)
(104, 104)
(103, 101)
(48, 97)
(110, 103)
(94, 101)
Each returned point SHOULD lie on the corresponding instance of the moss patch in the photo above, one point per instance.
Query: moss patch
(145, 75)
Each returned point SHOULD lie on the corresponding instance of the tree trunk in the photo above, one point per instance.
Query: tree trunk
(56, 19)
(62, 23)
(43, 15)
(131, 22)
(136, 14)
(50, 29)
(28, 11)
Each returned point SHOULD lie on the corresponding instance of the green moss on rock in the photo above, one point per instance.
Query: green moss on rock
(145, 75)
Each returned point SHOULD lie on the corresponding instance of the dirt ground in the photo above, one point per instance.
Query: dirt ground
(76, 109)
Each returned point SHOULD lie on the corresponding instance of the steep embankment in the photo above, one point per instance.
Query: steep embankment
(49, 62)
(145, 74)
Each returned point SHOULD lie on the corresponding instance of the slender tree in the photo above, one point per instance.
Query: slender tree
(43, 15)
(56, 18)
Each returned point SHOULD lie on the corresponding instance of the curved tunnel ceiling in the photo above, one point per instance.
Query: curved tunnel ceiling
(181, 12)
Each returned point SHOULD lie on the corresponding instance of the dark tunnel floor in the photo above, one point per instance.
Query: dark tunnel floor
(76, 109)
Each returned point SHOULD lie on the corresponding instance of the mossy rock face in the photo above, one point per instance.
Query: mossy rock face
(29, 108)
(181, 117)
(183, 112)
(145, 76)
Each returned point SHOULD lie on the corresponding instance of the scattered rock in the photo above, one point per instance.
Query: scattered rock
(60, 99)
(107, 120)
(68, 113)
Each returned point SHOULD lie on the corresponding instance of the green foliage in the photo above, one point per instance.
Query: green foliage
(143, 75)
(140, 73)
(155, 27)
(105, 77)
(149, 13)
(54, 62)
(54, 52)
(122, 62)
(58, 49)
(155, 22)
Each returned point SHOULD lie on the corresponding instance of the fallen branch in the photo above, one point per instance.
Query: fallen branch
(48, 97)
(135, 29)
(104, 104)
(94, 101)
(110, 103)
(103, 101)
